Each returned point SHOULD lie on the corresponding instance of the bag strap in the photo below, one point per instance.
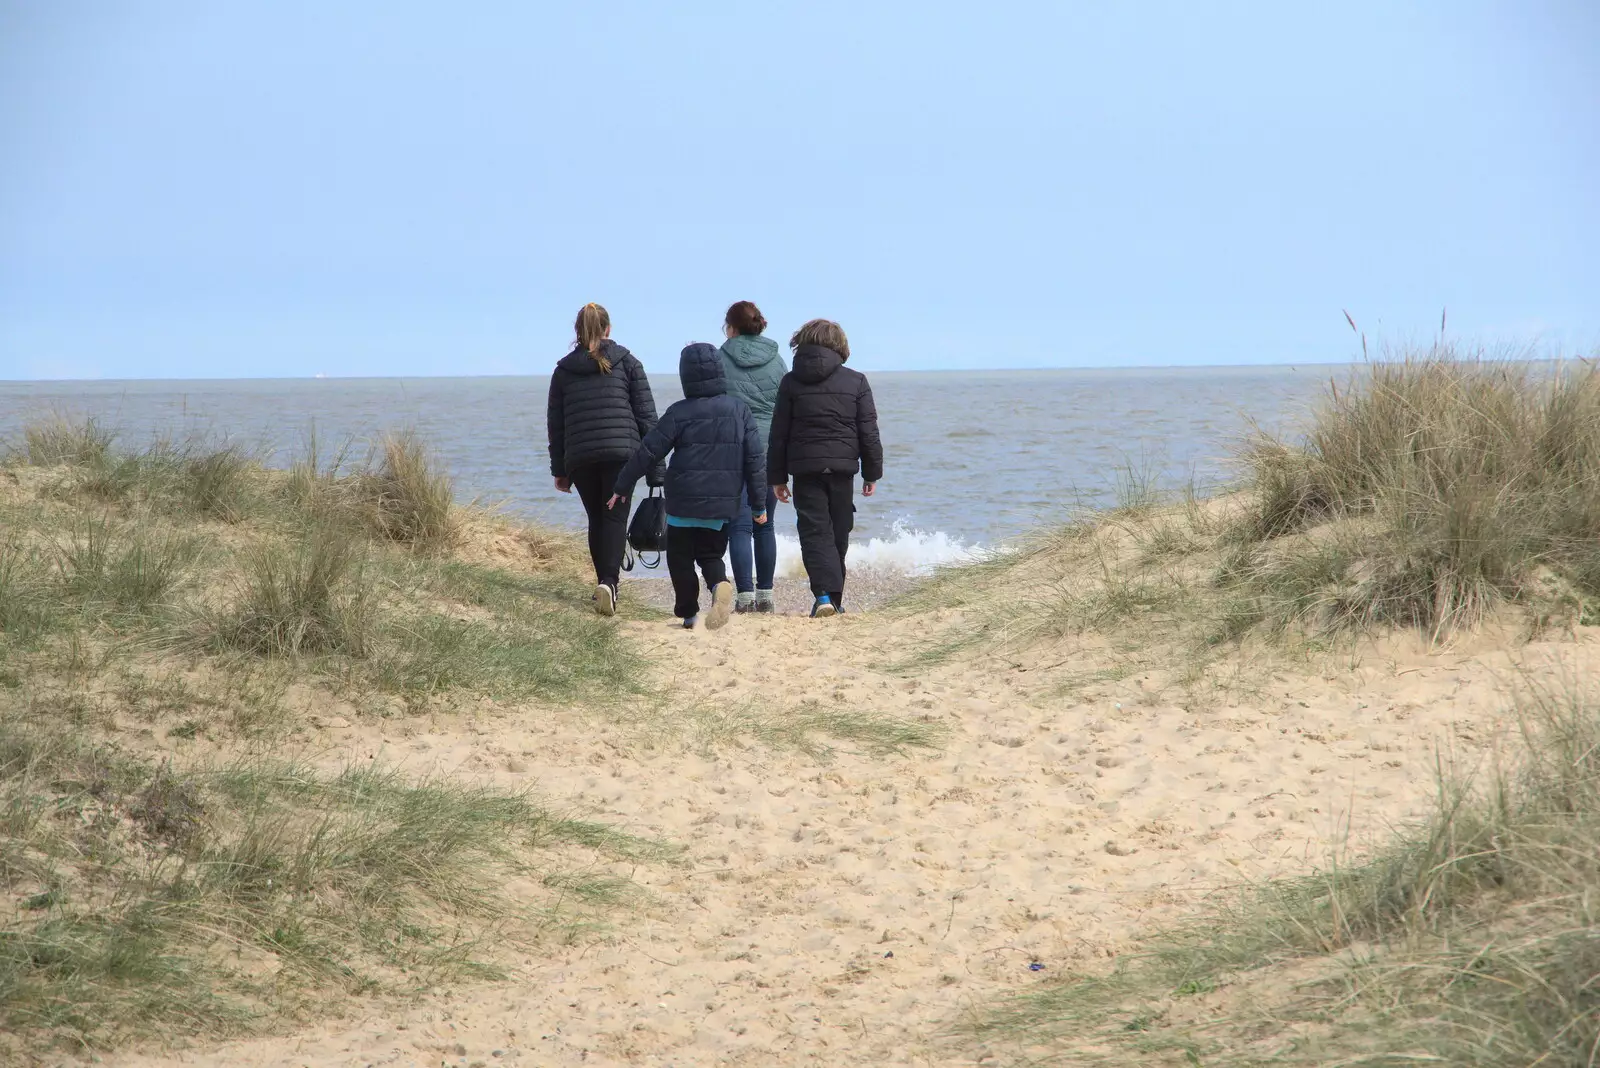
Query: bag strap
(648, 561)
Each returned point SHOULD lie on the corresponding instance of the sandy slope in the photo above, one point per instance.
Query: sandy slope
(845, 911)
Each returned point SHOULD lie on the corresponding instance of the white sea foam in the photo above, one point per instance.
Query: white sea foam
(907, 550)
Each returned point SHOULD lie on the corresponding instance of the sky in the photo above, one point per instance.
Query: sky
(220, 188)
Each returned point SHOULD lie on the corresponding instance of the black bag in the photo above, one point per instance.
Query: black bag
(647, 532)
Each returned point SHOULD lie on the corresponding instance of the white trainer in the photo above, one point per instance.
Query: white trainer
(721, 606)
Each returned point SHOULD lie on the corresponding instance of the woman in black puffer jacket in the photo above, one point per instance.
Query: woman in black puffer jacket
(600, 409)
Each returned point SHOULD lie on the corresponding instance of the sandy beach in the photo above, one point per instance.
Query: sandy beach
(849, 907)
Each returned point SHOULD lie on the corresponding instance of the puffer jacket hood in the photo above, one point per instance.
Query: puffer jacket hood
(579, 362)
(754, 367)
(716, 449)
(814, 363)
(749, 351)
(700, 369)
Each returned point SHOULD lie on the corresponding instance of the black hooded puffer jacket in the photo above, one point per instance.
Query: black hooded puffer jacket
(825, 421)
(715, 446)
(597, 418)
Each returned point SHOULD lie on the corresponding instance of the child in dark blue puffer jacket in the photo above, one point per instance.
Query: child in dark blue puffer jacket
(717, 465)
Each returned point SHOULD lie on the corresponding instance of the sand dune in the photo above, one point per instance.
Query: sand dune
(847, 909)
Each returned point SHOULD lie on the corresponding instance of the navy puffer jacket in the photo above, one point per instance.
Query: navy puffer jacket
(595, 417)
(716, 448)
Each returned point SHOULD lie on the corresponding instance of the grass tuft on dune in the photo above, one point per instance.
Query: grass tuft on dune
(337, 568)
(1428, 492)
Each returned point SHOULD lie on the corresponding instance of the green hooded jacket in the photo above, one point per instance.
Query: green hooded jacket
(754, 370)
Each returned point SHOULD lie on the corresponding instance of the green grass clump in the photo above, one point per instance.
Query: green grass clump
(60, 440)
(217, 484)
(1472, 939)
(155, 899)
(1449, 481)
(398, 493)
(197, 479)
(27, 608)
(525, 656)
(1426, 493)
(411, 499)
(523, 636)
(106, 554)
(102, 562)
(310, 595)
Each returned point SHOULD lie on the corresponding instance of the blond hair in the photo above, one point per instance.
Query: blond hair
(591, 327)
(824, 332)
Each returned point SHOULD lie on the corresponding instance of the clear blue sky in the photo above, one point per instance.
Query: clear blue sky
(215, 188)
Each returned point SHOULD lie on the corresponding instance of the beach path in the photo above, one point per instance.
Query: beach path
(841, 904)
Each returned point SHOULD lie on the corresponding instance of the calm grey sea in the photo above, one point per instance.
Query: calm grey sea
(972, 458)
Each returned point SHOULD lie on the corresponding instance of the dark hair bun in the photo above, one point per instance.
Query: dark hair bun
(746, 318)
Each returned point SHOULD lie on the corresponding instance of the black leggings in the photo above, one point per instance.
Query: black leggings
(608, 527)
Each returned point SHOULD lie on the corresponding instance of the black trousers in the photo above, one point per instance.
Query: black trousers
(686, 548)
(825, 512)
(608, 528)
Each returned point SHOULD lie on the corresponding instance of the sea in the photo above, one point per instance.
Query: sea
(974, 460)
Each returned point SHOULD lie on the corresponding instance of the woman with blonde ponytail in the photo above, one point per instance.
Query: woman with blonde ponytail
(600, 408)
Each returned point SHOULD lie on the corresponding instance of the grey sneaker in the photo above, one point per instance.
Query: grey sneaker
(746, 602)
(721, 606)
(764, 601)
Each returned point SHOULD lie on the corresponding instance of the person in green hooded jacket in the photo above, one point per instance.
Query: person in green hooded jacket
(754, 368)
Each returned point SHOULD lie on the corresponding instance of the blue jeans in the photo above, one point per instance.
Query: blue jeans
(754, 548)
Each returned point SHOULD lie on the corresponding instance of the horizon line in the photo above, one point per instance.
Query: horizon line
(320, 377)
(1345, 362)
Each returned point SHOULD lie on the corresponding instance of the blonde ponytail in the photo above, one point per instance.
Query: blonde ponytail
(592, 325)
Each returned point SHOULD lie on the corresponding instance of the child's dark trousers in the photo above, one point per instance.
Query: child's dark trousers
(686, 548)
(825, 510)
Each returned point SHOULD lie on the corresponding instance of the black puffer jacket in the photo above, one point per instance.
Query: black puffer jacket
(715, 446)
(825, 421)
(597, 418)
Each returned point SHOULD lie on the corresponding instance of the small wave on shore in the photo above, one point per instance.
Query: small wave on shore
(881, 569)
(906, 550)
